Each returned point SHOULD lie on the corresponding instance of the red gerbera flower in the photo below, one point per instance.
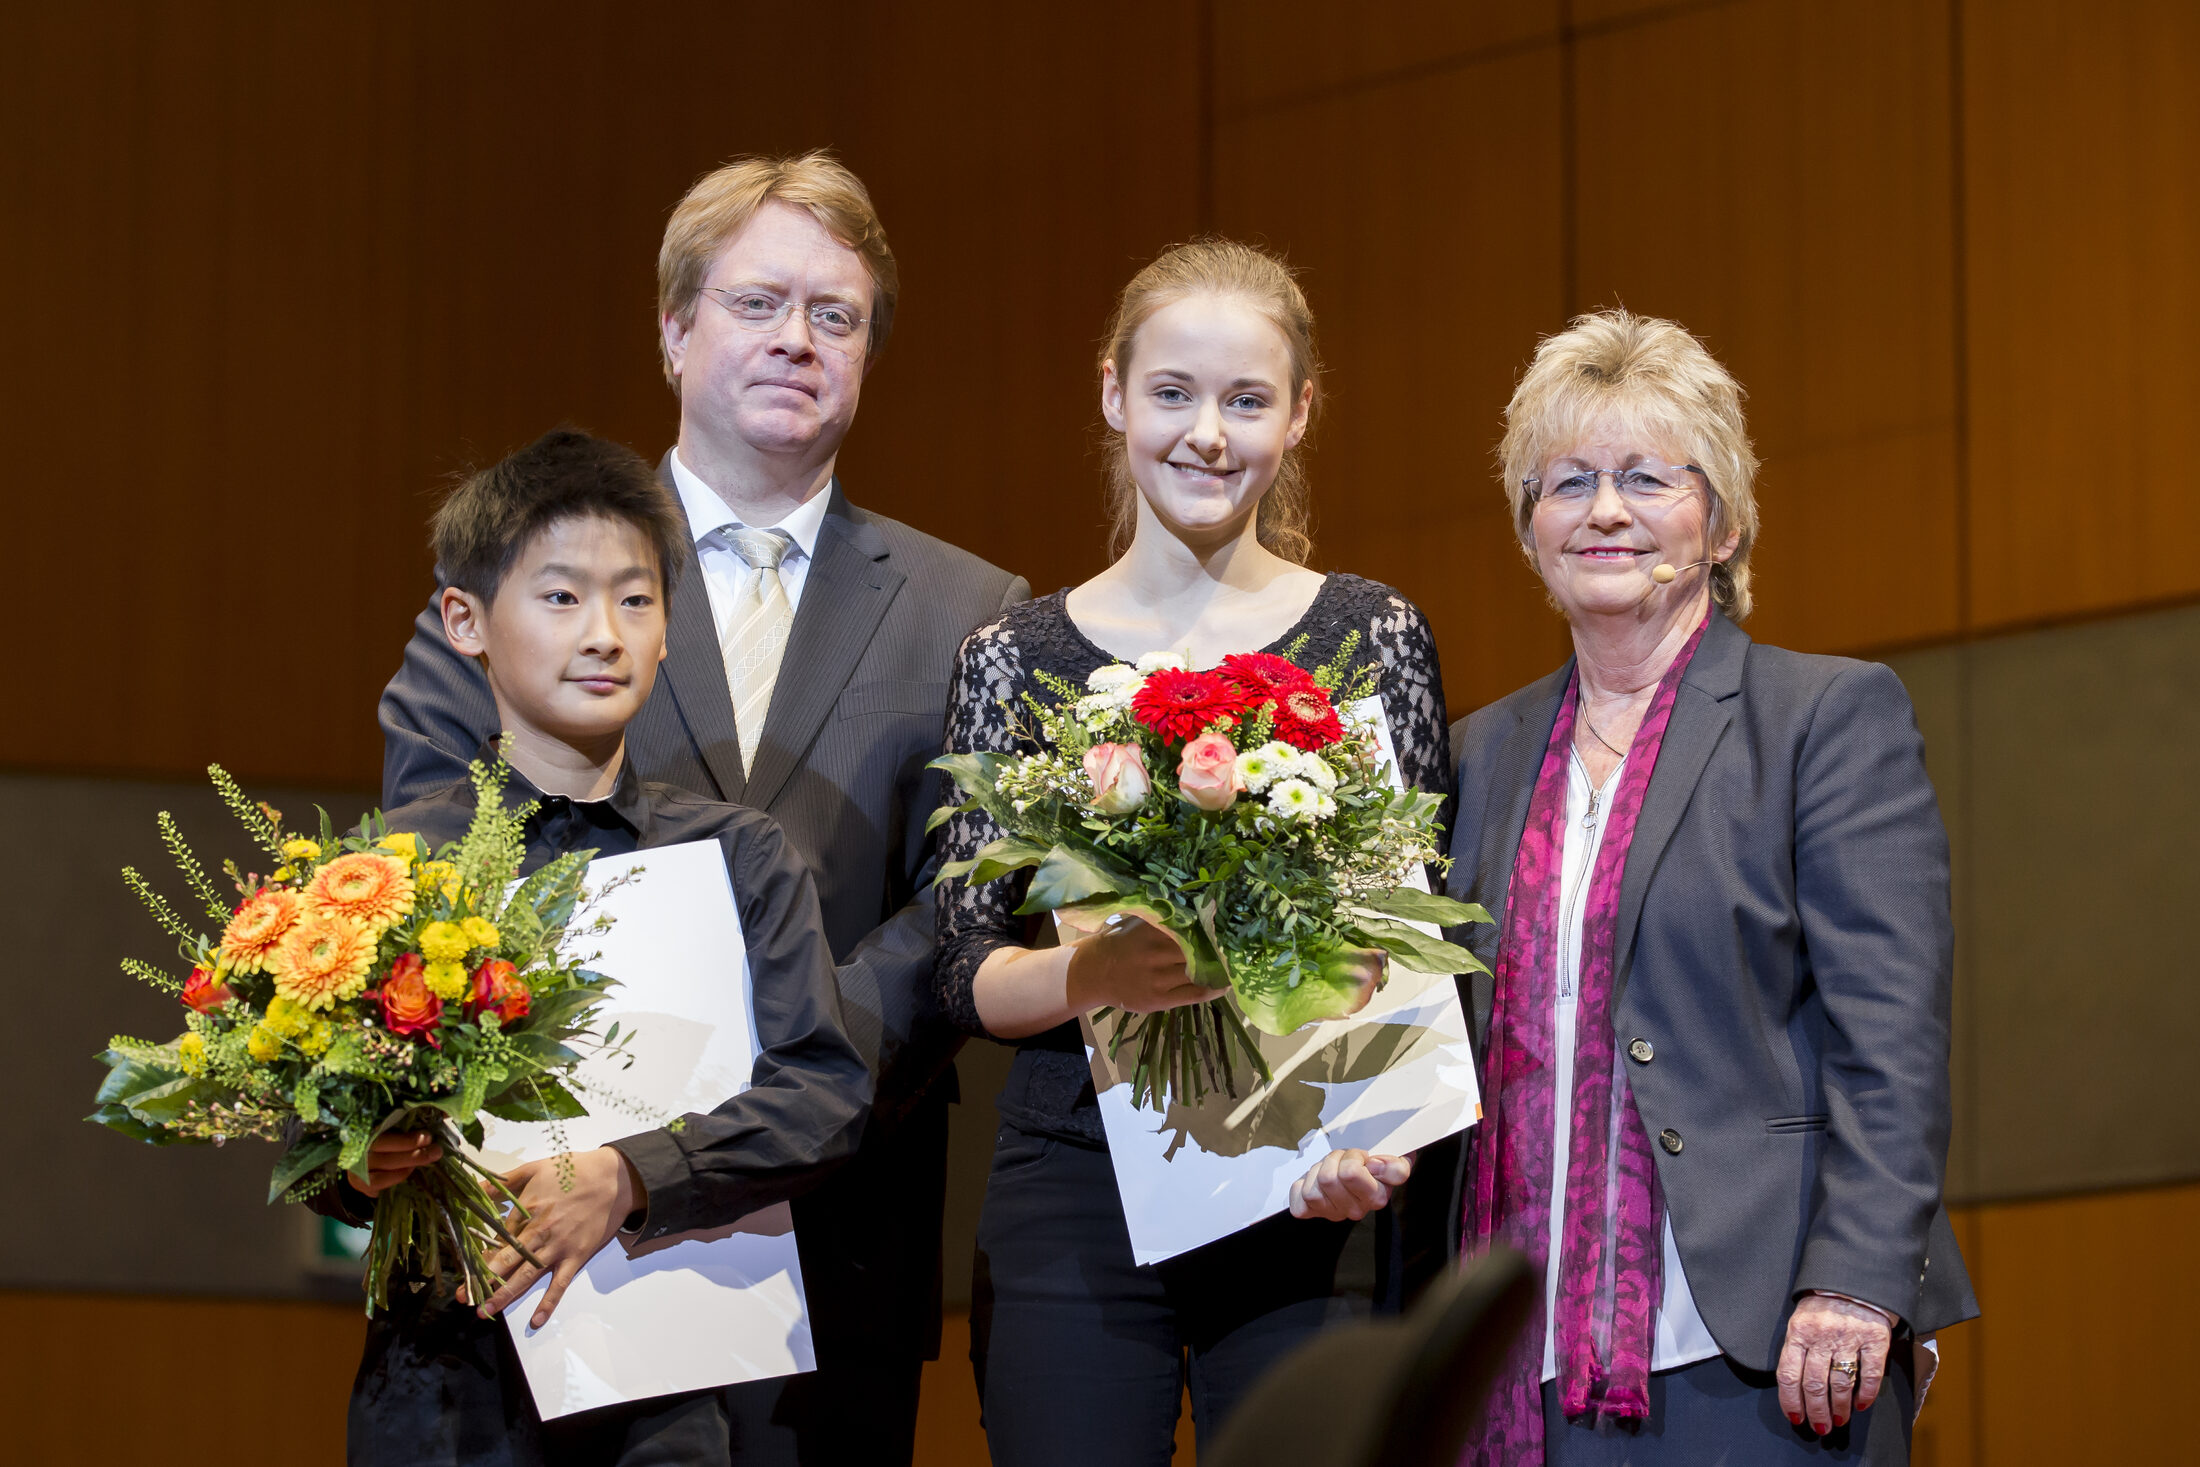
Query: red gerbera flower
(1306, 719)
(1264, 673)
(1180, 705)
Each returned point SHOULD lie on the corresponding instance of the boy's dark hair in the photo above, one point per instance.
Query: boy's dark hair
(479, 531)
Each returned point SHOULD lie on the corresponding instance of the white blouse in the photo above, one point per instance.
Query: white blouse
(1683, 1338)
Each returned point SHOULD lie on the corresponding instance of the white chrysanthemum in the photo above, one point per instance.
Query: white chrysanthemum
(1265, 765)
(1154, 662)
(1115, 676)
(1315, 770)
(1296, 800)
(1097, 711)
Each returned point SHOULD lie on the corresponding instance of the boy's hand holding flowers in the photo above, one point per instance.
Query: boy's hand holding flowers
(395, 1156)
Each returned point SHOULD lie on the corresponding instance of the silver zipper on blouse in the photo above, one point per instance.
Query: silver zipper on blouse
(1566, 970)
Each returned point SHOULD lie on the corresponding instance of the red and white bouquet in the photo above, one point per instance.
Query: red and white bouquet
(1249, 811)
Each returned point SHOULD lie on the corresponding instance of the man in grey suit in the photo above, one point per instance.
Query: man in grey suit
(806, 675)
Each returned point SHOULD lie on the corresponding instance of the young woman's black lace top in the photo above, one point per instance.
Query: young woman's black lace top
(1050, 1089)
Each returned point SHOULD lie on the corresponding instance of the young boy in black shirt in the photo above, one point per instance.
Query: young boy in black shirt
(559, 562)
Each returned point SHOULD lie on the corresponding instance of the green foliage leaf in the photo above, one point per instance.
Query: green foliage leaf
(978, 776)
(131, 1074)
(1331, 986)
(307, 1156)
(1412, 904)
(559, 1012)
(946, 813)
(357, 1137)
(307, 1098)
(539, 1100)
(560, 889)
(155, 1093)
(1010, 853)
(118, 1118)
(1067, 876)
(1412, 948)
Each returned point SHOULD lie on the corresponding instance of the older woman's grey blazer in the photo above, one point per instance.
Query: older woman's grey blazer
(1785, 955)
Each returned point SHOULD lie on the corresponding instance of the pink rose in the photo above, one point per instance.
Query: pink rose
(1119, 779)
(1208, 774)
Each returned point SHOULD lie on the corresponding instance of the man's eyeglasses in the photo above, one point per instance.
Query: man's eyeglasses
(833, 322)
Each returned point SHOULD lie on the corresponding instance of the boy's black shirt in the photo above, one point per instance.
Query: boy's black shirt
(803, 1113)
(439, 1385)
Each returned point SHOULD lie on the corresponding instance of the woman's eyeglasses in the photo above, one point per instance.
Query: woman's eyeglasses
(1645, 485)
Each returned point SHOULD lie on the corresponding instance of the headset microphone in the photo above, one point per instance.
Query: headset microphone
(1666, 575)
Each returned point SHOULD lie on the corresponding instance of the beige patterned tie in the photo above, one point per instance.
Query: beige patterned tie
(756, 635)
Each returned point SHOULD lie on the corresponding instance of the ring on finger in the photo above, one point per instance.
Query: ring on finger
(1847, 1368)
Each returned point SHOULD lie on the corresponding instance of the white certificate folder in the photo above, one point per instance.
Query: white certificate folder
(695, 1311)
(1396, 1076)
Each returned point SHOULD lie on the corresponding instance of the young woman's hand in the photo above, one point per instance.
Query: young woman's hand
(396, 1155)
(1133, 966)
(1345, 1186)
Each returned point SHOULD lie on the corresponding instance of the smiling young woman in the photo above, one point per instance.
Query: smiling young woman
(1208, 384)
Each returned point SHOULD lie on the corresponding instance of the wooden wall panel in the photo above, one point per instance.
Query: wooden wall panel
(1776, 177)
(1271, 52)
(287, 269)
(2084, 1343)
(1023, 185)
(2082, 148)
(1429, 290)
(2080, 871)
(179, 1381)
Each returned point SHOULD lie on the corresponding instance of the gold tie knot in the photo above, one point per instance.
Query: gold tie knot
(762, 549)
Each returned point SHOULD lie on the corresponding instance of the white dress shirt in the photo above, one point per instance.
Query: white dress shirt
(1682, 1336)
(725, 574)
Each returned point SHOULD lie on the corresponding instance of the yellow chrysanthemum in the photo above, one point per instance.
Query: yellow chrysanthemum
(316, 1040)
(404, 845)
(263, 1043)
(445, 980)
(286, 1018)
(444, 942)
(298, 848)
(368, 888)
(322, 959)
(191, 1049)
(437, 875)
(248, 943)
(481, 931)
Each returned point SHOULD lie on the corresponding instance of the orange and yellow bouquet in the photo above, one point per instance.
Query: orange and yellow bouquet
(369, 984)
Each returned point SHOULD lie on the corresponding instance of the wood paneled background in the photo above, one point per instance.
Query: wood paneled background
(277, 271)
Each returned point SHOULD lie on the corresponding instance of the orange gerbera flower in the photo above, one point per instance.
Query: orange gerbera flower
(364, 886)
(323, 958)
(248, 943)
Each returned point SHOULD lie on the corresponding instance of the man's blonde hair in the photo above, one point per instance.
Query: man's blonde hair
(1663, 385)
(723, 201)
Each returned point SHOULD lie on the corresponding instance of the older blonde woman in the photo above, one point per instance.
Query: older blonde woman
(1715, 1045)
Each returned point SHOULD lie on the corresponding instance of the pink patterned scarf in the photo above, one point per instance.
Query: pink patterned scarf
(1612, 1241)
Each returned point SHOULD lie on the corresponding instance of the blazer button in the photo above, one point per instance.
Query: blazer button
(1670, 1139)
(1639, 1051)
